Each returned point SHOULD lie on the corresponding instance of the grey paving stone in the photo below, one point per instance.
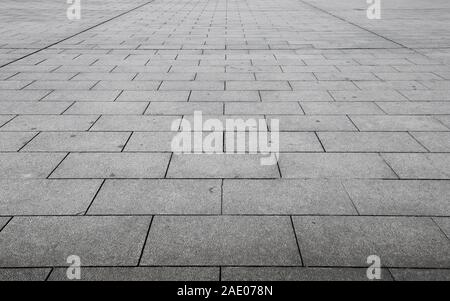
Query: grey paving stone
(107, 108)
(49, 240)
(332, 165)
(33, 107)
(154, 96)
(299, 142)
(444, 224)
(24, 274)
(135, 123)
(183, 108)
(220, 166)
(313, 123)
(427, 95)
(285, 76)
(5, 118)
(25, 166)
(257, 85)
(3, 221)
(381, 95)
(349, 240)
(192, 85)
(415, 108)
(221, 240)
(60, 85)
(141, 274)
(400, 197)
(341, 108)
(398, 123)
(22, 95)
(297, 274)
(323, 85)
(141, 85)
(295, 96)
(158, 197)
(420, 274)
(222, 96)
(113, 165)
(13, 141)
(45, 197)
(168, 76)
(86, 95)
(78, 142)
(263, 108)
(369, 142)
(420, 166)
(104, 76)
(445, 120)
(285, 197)
(223, 76)
(50, 123)
(434, 141)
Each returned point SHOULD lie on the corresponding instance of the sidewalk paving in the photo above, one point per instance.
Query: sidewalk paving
(86, 166)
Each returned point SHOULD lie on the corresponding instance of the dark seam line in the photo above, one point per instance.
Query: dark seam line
(145, 241)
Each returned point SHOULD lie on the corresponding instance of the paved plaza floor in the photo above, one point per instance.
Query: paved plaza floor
(87, 167)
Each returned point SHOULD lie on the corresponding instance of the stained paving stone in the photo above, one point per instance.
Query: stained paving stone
(420, 166)
(50, 123)
(49, 240)
(113, 165)
(24, 274)
(158, 197)
(434, 142)
(333, 165)
(369, 142)
(420, 274)
(285, 197)
(46, 197)
(348, 241)
(135, 123)
(220, 166)
(221, 240)
(13, 141)
(78, 142)
(141, 274)
(26, 166)
(297, 274)
(411, 197)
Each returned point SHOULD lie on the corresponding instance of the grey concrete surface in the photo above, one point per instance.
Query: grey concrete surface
(87, 169)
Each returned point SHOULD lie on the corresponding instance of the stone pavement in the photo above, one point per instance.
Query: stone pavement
(86, 166)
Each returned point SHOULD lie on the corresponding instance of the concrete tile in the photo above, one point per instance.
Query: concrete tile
(135, 123)
(349, 240)
(381, 95)
(87, 95)
(332, 165)
(444, 224)
(221, 240)
(414, 197)
(369, 142)
(49, 240)
(434, 141)
(168, 76)
(313, 123)
(107, 108)
(420, 274)
(224, 96)
(78, 142)
(192, 85)
(420, 166)
(297, 274)
(299, 142)
(158, 197)
(50, 123)
(341, 108)
(142, 85)
(397, 123)
(295, 96)
(12, 141)
(415, 108)
(238, 108)
(323, 85)
(141, 274)
(220, 166)
(33, 107)
(5, 118)
(22, 95)
(183, 108)
(46, 197)
(113, 165)
(24, 274)
(61, 85)
(154, 96)
(285, 197)
(26, 166)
